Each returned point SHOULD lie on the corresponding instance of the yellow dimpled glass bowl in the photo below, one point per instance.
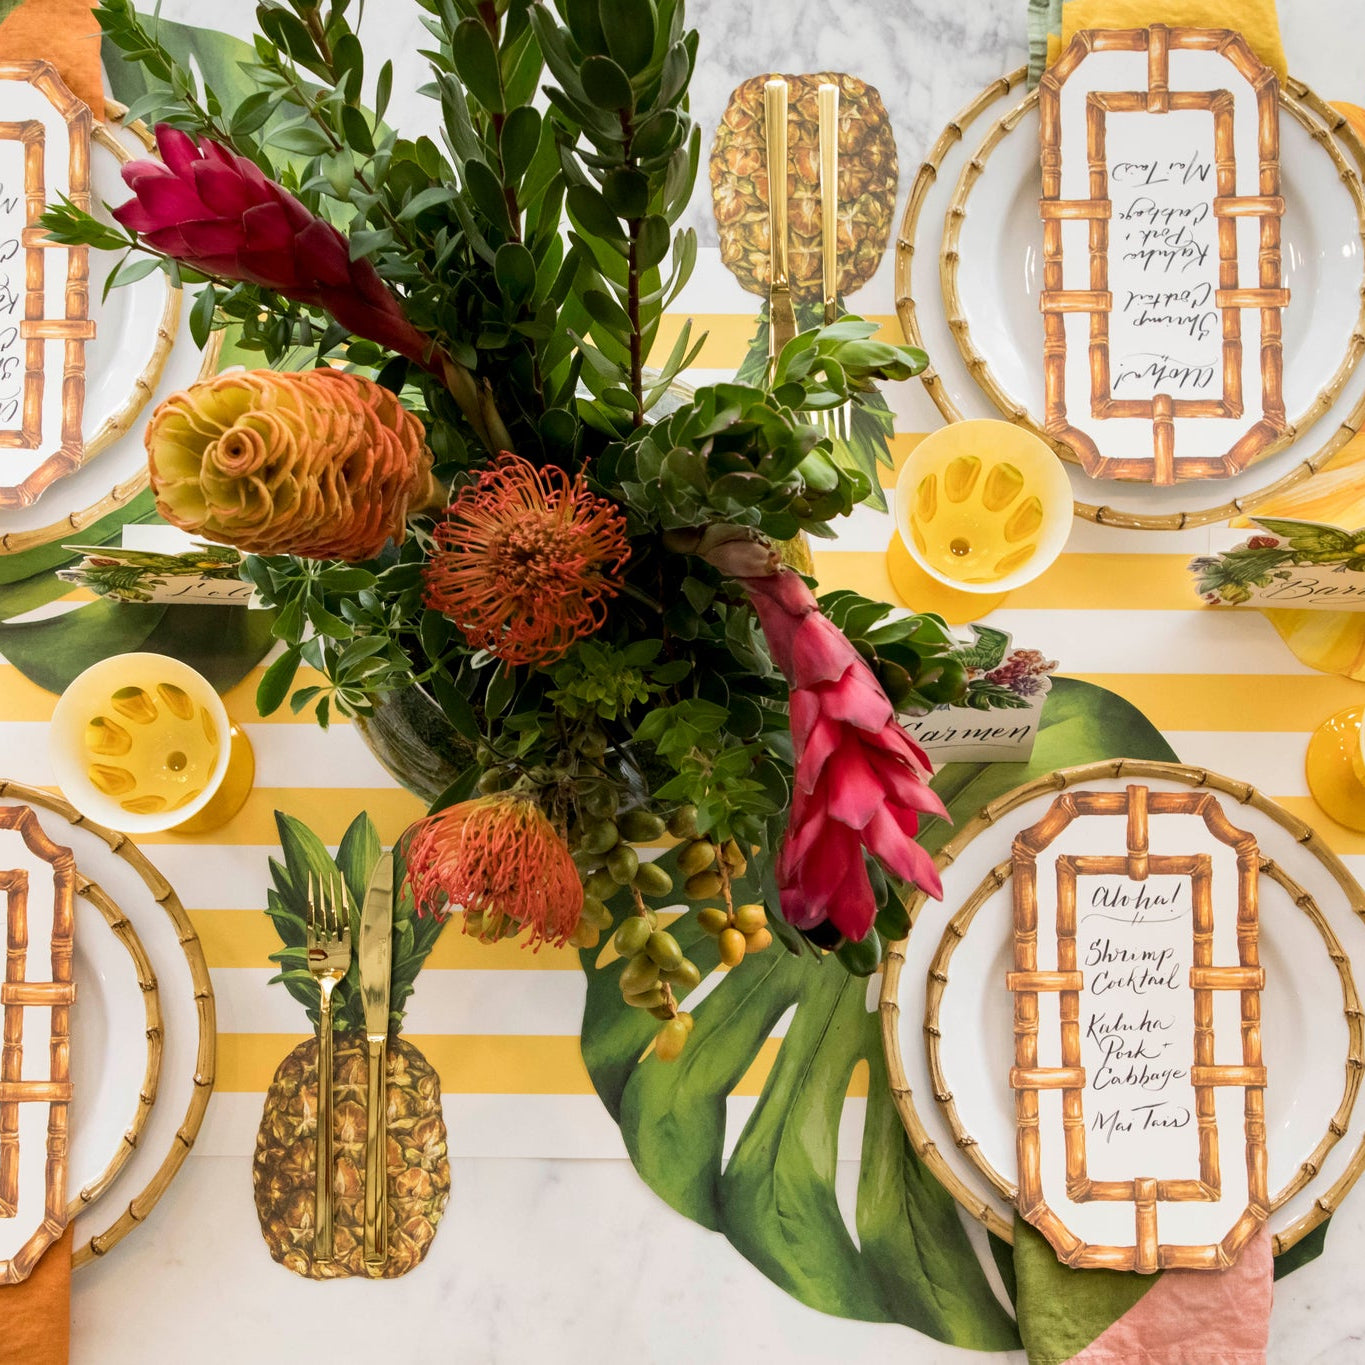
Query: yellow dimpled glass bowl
(983, 506)
(142, 743)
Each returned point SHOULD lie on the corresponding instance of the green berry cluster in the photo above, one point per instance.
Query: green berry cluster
(603, 851)
(710, 868)
(655, 975)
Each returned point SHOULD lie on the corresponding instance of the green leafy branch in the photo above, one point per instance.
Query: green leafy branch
(347, 622)
(622, 69)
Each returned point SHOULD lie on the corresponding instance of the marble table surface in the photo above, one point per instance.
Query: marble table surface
(576, 1260)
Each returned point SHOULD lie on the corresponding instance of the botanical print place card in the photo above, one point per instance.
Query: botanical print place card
(204, 576)
(999, 718)
(1303, 565)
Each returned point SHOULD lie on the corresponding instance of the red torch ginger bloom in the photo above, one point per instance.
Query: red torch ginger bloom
(500, 861)
(217, 212)
(522, 561)
(860, 779)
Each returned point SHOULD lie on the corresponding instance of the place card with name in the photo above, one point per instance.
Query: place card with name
(998, 719)
(1139, 1079)
(1162, 282)
(1303, 565)
(207, 575)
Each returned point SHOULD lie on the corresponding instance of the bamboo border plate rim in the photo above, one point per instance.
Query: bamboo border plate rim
(118, 423)
(122, 929)
(979, 366)
(955, 931)
(1245, 794)
(1335, 124)
(164, 894)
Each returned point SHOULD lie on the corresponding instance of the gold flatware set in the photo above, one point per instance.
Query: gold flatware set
(329, 959)
(781, 314)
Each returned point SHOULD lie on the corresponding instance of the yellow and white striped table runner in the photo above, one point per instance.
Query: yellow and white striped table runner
(501, 1024)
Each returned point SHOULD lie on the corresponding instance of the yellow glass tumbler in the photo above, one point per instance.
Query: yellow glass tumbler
(1335, 767)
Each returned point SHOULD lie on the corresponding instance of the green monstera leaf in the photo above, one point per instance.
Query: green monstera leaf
(223, 643)
(911, 1261)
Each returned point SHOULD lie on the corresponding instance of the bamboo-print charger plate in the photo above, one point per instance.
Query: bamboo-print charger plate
(949, 1017)
(965, 149)
(142, 1027)
(991, 276)
(130, 358)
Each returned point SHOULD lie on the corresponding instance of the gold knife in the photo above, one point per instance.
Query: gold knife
(376, 971)
(781, 316)
(829, 198)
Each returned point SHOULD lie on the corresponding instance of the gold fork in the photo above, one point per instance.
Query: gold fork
(834, 420)
(329, 958)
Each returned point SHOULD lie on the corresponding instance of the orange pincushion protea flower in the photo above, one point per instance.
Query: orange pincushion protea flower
(523, 560)
(499, 860)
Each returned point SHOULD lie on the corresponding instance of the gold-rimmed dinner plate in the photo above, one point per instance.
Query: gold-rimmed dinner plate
(961, 1123)
(116, 880)
(958, 394)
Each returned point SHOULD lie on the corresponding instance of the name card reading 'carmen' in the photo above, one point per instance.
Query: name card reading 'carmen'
(1126, 955)
(1162, 281)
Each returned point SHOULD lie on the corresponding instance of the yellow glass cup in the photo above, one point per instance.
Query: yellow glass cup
(142, 743)
(1335, 767)
(983, 506)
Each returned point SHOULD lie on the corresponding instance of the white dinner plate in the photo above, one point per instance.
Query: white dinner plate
(114, 371)
(996, 268)
(142, 352)
(115, 1054)
(953, 389)
(1306, 1035)
(174, 955)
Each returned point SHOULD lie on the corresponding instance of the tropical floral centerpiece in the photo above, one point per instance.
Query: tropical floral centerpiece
(454, 470)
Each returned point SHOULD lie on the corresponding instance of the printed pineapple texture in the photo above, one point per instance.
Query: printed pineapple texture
(286, 1144)
(867, 199)
(867, 184)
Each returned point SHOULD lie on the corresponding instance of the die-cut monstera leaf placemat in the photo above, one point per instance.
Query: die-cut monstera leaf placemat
(775, 1198)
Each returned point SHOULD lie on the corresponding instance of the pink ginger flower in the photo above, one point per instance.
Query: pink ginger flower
(217, 212)
(860, 779)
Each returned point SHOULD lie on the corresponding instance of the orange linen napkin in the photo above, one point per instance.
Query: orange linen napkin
(35, 1317)
(63, 32)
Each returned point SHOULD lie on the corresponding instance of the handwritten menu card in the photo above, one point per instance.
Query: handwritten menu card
(12, 268)
(1165, 332)
(1162, 282)
(1140, 1140)
(1137, 1023)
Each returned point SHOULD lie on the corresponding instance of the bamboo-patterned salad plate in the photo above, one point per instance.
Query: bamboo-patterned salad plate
(108, 1032)
(1133, 1018)
(970, 273)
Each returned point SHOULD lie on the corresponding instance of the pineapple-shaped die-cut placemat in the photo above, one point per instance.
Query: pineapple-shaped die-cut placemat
(286, 1145)
(867, 183)
(867, 200)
